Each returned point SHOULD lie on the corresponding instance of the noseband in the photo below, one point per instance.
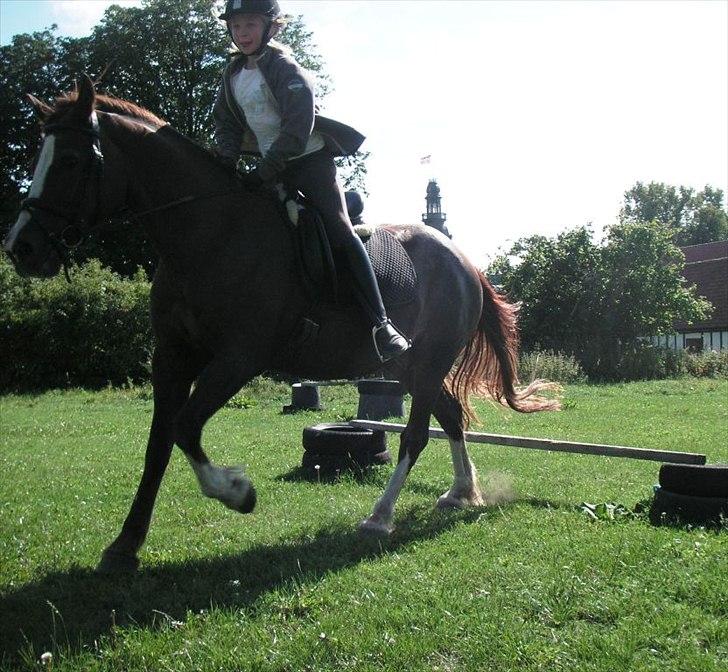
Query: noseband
(81, 214)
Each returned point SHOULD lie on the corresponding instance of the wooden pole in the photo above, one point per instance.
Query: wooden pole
(548, 444)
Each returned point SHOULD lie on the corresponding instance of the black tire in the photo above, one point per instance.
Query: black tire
(386, 388)
(342, 438)
(706, 480)
(687, 508)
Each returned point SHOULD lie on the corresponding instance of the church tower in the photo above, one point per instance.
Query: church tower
(434, 216)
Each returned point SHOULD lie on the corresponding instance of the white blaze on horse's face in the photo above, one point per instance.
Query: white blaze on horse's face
(45, 161)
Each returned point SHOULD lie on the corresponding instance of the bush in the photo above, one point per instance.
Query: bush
(707, 364)
(555, 366)
(643, 361)
(91, 332)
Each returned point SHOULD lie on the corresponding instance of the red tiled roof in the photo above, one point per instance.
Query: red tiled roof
(706, 267)
(705, 251)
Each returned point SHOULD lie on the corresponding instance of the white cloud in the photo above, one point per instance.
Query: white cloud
(78, 17)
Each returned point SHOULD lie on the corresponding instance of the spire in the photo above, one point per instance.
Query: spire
(434, 216)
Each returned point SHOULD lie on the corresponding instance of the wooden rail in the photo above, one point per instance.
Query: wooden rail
(548, 444)
(332, 383)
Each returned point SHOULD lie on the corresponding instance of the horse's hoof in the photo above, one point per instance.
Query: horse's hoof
(375, 527)
(448, 501)
(237, 492)
(451, 501)
(117, 563)
(248, 503)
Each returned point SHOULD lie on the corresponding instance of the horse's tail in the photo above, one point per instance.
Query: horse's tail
(488, 363)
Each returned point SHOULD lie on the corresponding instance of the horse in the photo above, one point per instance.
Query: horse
(227, 299)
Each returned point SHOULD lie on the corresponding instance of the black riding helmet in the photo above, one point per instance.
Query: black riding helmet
(267, 8)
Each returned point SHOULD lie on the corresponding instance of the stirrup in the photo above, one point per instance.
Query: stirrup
(378, 327)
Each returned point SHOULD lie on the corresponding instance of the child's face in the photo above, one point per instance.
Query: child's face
(247, 31)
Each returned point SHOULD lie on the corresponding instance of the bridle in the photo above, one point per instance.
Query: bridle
(81, 214)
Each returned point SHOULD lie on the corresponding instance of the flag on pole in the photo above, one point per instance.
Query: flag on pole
(426, 159)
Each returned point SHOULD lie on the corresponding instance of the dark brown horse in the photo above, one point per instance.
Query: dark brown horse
(227, 299)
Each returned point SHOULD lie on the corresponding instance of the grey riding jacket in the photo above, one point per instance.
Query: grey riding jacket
(294, 94)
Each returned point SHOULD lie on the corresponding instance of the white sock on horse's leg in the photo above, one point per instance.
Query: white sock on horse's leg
(228, 484)
(380, 520)
(465, 490)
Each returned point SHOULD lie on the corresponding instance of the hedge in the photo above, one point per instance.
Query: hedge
(95, 331)
(92, 332)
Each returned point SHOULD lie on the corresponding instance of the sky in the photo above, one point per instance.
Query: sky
(537, 116)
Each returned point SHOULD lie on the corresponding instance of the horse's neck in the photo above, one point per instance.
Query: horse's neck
(161, 169)
(222, 230)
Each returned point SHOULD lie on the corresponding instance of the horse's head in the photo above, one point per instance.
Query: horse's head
(63, 202)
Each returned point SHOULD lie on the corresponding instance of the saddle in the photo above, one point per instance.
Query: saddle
(325, 281)
(320, 274)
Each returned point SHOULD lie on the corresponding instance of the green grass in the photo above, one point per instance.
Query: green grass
(531, 585)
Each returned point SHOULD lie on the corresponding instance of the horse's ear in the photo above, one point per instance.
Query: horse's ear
(86, 97)
(42, 109)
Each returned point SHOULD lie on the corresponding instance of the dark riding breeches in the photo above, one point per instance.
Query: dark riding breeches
(314, 176)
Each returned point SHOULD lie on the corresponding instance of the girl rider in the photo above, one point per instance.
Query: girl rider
(265, 105)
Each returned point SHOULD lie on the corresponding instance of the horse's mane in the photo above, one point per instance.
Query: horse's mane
(124, 107)
(108, 104)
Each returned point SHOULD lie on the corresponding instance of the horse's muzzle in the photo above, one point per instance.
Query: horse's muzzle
(30, 252)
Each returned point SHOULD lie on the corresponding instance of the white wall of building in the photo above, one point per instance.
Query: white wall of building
(712, 340)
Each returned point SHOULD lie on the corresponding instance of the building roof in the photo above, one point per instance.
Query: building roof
(706, 267)
(705, 251)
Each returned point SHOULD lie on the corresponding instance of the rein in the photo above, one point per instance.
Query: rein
(127, 214)
(80, 221)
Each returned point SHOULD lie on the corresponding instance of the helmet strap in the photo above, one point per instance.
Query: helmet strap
(265, 38)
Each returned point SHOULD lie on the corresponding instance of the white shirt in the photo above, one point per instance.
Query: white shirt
(261, 110)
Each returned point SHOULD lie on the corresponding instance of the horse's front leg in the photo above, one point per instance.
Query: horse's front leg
(172, 374)
(219, 381)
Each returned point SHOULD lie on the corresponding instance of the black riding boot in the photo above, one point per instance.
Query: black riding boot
(388, 341)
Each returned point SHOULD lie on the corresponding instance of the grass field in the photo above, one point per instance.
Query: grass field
(535, 584)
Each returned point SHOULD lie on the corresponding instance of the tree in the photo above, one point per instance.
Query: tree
(555, 280)
(167, 56)
(593, 301)
(692, 217)
(645, 290)
(39, 63)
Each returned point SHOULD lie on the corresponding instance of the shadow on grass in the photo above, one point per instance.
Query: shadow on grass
(377, 476)
(69, 611)
(362, 476)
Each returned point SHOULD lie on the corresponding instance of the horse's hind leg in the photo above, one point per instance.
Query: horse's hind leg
(412, 442)
(219, 381)
(465, 490)
(172, 376)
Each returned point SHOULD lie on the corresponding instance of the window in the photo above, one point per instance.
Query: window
(694, 344)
